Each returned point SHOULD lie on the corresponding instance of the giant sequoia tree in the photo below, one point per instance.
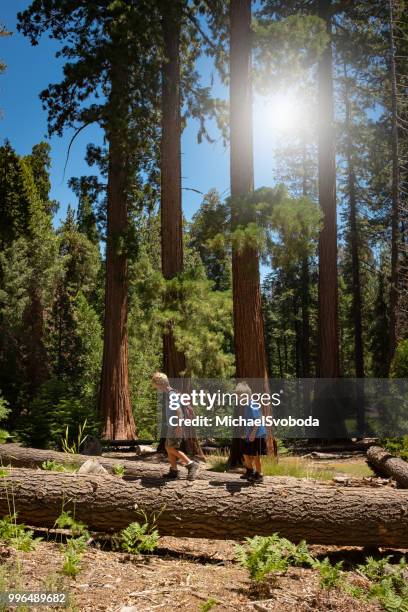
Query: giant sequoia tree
(107, 79)
(249, 340)
(170, 200)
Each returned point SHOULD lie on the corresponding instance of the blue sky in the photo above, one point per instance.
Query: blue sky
(24, 123)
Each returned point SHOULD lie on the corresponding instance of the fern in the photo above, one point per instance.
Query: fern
(263, 556)
(139, 538)
(17, 535)
(330, 575)
(67, 521)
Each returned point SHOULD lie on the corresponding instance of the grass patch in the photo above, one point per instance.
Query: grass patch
(359, 469)
(54, 466)
(300, 468)
(287, 466)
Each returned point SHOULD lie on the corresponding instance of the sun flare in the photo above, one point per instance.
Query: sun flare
(281, 112)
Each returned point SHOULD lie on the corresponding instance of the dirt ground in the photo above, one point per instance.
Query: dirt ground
(184, 575)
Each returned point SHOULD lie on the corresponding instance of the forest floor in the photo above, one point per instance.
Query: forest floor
(188, 574)
(183, 574)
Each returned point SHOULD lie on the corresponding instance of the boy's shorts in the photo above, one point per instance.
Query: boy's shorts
(173, 442)
(255, 448)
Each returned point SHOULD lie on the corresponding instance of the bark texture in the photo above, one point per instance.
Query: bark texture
(249, 340)
(18, 456)
(319, 514)
(249, 336)
(170, 198)
(328, 335)
(388, 465)
(115, 405)
(395, 195)
(357, 300)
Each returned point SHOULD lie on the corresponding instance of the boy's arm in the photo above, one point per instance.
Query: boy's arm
(252, 435)
(254, 415)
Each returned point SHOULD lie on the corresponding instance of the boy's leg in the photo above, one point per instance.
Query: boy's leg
(192, 466)
(257, 475)
(171, 457)
(249, 462)
(249, 469)
(184, 460)
(258, 464)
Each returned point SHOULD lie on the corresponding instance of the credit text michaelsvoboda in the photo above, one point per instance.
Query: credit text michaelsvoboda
(230, 421)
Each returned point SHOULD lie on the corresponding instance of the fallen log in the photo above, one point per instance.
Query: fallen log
(388, 465)
(19, 456)
(315, 512)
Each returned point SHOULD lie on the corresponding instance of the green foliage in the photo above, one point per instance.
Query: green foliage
(330, 575)
(74, 447)
(73, 553)
(76, 545)
(53, 411)
(375, 569)
(207, 233)
(295, 223)
(390, 585)
(67, 521)
(208, 605)
(17, 535)
(55, 466)
(4, 412)
(396, 446)
(399, 366)
(285, 48)
(270, 556)
(139, 538)
(119, 470)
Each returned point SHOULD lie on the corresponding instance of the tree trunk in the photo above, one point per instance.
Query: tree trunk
(305, 336)
(35, 360)
(170, 199)
(151, 467)
(248, 322)
(328, 335)
(305, 284)
(319, 514)
(115, 405)
(249, 339)
(357, 305)
(390, 466)
(395, 194)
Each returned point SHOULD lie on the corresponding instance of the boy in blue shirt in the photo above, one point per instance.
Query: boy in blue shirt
(254, 440)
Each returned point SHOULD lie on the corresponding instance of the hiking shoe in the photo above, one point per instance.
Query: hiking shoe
(247, 474)
(172, 474)
(256, 478)
(192, 469)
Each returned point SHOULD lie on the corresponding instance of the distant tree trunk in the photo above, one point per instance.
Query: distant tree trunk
(115, 406)
(305, 336)
(35, 354)
(250, 356)
(357, 302)
(305, 289)
(395, 195)
(170, 200)
(328, 332)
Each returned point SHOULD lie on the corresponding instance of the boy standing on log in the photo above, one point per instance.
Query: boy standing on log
(174, 436)
(254, 439)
